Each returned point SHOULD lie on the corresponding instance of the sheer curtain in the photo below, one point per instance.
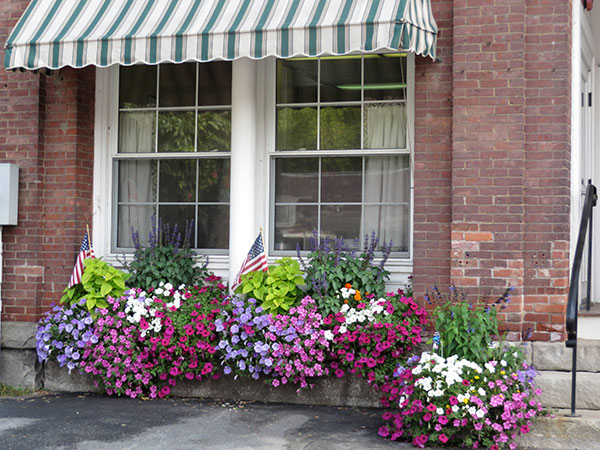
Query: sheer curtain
(387, 178)
(136, 178)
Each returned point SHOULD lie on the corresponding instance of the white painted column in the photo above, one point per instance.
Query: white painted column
(242, 214)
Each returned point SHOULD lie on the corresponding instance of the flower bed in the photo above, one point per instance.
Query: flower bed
(458, 402)
(145, 343)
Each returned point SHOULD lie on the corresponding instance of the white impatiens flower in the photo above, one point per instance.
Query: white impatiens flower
(328, 335)
(481, 392)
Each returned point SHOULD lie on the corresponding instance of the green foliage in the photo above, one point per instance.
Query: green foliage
(276, 289)
(468, 329)
(99, 280)
(329, 268)
(166, 259)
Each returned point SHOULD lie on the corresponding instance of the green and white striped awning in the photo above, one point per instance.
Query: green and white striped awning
(57, 33)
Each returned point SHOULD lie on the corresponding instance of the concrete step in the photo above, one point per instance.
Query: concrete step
(562, 432)
(556, 389)
(588, 327)
(556, 355)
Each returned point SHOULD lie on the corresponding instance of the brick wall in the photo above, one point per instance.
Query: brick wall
(46, 127)
(433, 159)
(491, 165)
(510, 157)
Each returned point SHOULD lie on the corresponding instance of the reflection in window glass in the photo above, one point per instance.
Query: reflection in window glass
(213, 180)
(340, 79)
(294, 224)
(177, 181)
(342, 221)
(297, 81)
(341, 180)
(137, 86)
(213, 226)
(215, 83)
(214, 131)
(297, 179)
(340, 127)
(297, 128)
(177, 84)
(385, 78)
(176, 131)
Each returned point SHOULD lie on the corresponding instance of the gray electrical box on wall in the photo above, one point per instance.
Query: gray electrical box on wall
(9, 193)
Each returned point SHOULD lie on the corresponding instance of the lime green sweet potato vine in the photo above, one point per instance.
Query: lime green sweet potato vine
(99, 281)
(276, 290)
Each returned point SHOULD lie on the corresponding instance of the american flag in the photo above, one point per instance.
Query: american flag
(256, 260)
(85, 251)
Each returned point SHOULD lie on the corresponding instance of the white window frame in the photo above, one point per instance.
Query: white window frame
(400, 268)
(105, 156)
(106, 146)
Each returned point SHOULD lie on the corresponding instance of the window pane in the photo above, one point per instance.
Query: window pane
(178, 215)
(136, 132)
(137, 86)
(177, 84)
(390, 223)
(297, 180)
(340, 79)
(296, 81)
(177, 181)
(342, 221)
(294, 224)
(137, 181)
(385, 126)
(213, 226)
(215, 83)
(138, 217)
(176, 131)
(340, 127)
(387, 179)
(341, 180)
(213, 180)
(385, 78)
(297, 128)
(214, 131)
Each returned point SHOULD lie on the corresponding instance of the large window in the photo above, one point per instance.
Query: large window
(341, 163)
(173, 158)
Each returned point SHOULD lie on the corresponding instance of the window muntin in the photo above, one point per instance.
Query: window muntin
(173, 159)
(341, 163)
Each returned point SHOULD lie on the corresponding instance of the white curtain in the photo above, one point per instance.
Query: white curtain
(136, 178)
(387, 178)
(385, 126)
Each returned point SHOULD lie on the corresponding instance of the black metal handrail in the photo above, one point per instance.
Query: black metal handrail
(585, 227)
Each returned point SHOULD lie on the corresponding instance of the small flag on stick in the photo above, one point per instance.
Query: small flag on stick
(85, 251)
(256, 260)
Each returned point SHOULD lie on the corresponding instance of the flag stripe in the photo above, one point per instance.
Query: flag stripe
(256, 260)
(85, 252)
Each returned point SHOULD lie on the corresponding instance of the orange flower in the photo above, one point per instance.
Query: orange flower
(348, 286)
(357, 296)
(346, 302)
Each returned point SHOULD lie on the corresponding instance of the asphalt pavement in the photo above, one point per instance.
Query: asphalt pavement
(88, 421)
